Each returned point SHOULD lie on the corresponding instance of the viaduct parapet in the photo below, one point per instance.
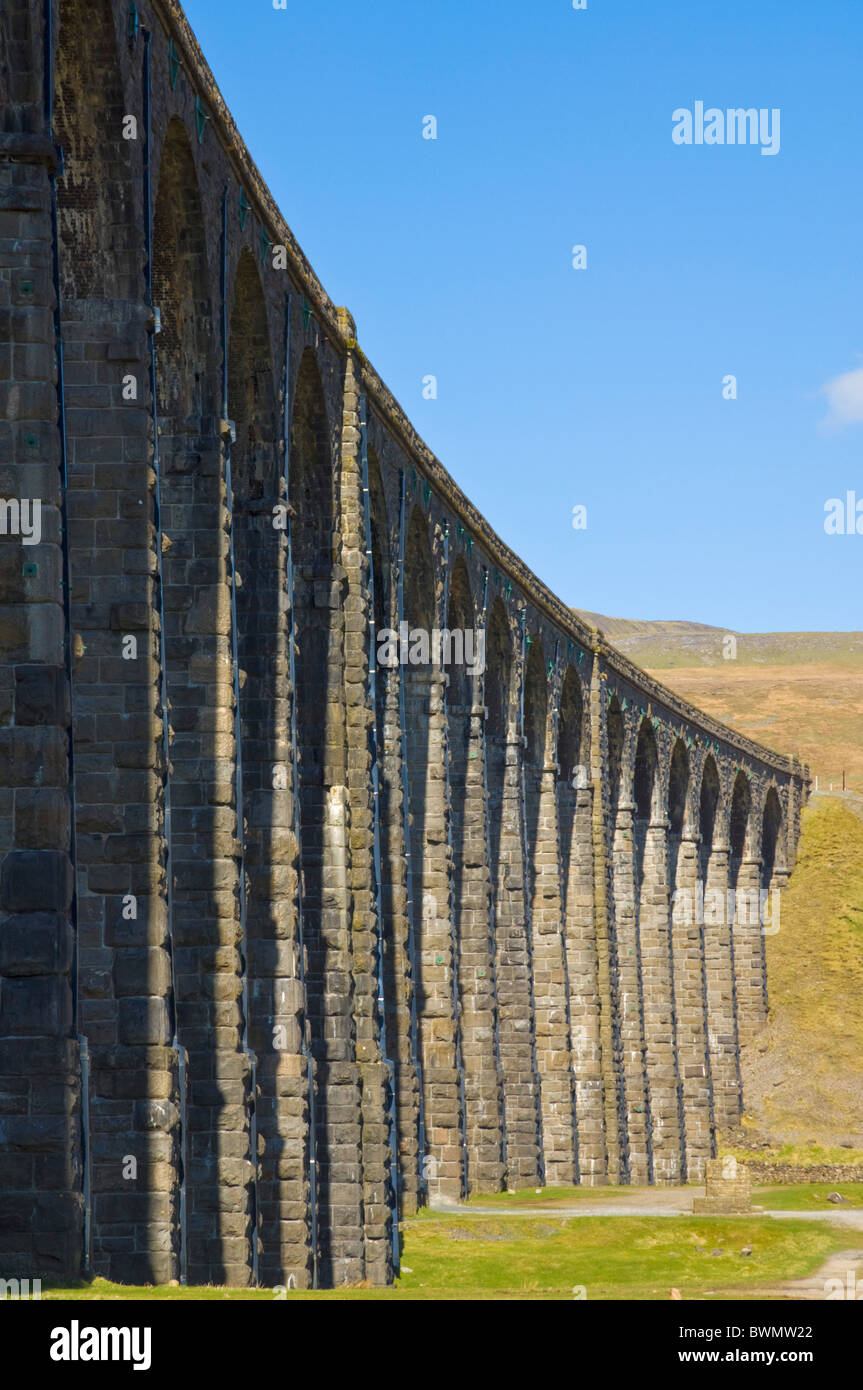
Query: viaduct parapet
(294, 937)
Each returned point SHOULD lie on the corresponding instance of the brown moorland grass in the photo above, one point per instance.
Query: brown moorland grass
(800, 693)
(812, 711)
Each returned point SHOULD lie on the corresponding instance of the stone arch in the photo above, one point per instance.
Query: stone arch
(186, 381)
(745, 906)
(258, 554)
(677, 806)
(313, 528)
(646, 776)
(570, 729)
(197, 643)
(707, 807)
(499, 657)
(546, 955)
(95, 192)
(772, 828)
(380, 544)
(253, 475)
(678, 788)
(430, 865)
(509, 880)
(569, 760)
(398, 966)
(616, 737)
(251, 394)
(620, 949)
(186, 397)
(471, 935)
(535, 705)
(578, 901)
(419, 608)
(322, 775)
(685, 874)
(655, 868)
(498, 677)
(633, 769)
(255, 480)
(717, 934)
(312, 479)
(380, 579)
(419, 575)
(419, 612)
(739, 820)
(460, 618)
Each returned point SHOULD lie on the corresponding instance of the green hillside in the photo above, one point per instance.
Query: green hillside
(803, 1074)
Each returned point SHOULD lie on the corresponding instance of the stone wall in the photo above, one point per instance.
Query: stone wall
(766, 1173)
(294, 939)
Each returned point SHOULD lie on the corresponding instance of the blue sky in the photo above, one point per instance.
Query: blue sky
(600, 387)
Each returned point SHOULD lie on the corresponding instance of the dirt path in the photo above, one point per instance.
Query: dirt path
(853, 800)
(670, 1201)
(657, 1202)
(846, 1268)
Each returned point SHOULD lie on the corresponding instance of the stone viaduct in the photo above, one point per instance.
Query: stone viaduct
(293, 940)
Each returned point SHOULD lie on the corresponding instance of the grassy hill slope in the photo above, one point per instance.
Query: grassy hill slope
(803, 1074)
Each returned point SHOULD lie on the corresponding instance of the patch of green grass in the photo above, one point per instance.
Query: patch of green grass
(464, 1256)
(808, 1196)
(613, 1258)
(96, 1289)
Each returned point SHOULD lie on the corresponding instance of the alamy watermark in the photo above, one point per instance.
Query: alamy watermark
(77, 1343)
(849, 1290)
(21, 517)
(844, 515)
(717, 907)
(734, 126)
(419, 646)
(16, 1289)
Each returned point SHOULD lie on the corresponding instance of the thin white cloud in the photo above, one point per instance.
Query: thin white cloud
(844, 400)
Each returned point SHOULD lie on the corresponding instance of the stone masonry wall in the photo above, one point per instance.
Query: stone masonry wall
(252, 1011)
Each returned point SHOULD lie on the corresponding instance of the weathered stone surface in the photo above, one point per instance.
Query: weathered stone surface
(35, 881)
(37, 943)
(41, 695)
(415, 922)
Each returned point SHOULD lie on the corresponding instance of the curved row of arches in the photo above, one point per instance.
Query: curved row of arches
(692, 853)
(332, 989)
(694, 860)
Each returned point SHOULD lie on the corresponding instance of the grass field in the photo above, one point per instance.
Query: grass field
(812, 712)
(781, 1197)
(542, 1258)
(611, 1257)
(808, 1196)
